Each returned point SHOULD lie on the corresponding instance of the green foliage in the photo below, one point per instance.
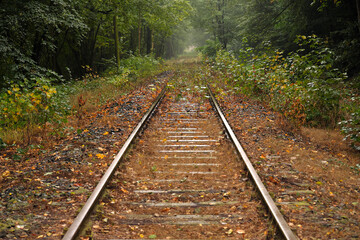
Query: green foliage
(303, 86)
(31, 102)
(50, 39)
(2, 144)
(210, 49)
(133, 68)
(140, 65)
(351, 126)
(280, 22)
(32, 36)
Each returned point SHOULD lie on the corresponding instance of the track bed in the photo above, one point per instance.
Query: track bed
(182, 180)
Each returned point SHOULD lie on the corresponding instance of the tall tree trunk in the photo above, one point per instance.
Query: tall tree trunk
(92, 52)
(148, 40)
(223, 24)
(37, 47)
(220, 22)
(358, 12)
(139, 32)
(116, 37)
(152, 42)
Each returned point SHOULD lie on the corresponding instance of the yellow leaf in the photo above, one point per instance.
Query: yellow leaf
(105, 133)
(124, 190)
(6, 173)
(100, 156)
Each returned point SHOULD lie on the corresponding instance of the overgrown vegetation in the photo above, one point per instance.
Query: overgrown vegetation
(133, 68)
(302, 85)
(280, 21)
(310, 71)
(42, 39)
(40, 103)
(45, 45)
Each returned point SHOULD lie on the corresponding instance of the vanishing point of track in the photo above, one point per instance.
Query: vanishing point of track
(181, 180)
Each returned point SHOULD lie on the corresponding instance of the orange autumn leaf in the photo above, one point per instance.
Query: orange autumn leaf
(100, 156)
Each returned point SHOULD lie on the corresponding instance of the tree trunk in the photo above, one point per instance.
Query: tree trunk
(139, 33)
(92, 52)
(152, 42)
(223, 24)
(116, 37)
(358, 12)
(148, 40)
(37, 47)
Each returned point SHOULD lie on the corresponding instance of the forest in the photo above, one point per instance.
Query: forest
(310, 49)
(78, 76)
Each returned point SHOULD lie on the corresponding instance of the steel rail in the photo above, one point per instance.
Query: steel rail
(280, 221)
(79, 221)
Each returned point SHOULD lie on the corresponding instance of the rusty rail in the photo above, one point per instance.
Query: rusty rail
(79, 221)
(280, 221)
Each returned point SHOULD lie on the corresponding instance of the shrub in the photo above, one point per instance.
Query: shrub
(132, 68)
(210, 49)
(303, 85)
(29, 103)
(351, 126)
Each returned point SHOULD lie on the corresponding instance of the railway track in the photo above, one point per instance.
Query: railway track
(182, 179)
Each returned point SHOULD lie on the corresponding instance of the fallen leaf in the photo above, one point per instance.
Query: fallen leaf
(100, 156)
(6, 173)
(124, 190)
(240, 231)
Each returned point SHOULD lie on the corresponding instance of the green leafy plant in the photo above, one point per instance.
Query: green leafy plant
(303, 85)
(351, 126)
(29, 103)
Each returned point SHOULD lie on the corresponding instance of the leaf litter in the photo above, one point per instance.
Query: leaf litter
(41, 193)
(311, 180)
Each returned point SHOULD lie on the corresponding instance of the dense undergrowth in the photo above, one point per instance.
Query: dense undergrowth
(304, 86)
(42, 105)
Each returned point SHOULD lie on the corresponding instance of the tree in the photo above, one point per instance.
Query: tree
(33, 35)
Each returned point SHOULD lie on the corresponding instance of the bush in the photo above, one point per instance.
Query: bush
(303, 85)
(351, 126)
(133, 68)
(210, 49)
(29, 103)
